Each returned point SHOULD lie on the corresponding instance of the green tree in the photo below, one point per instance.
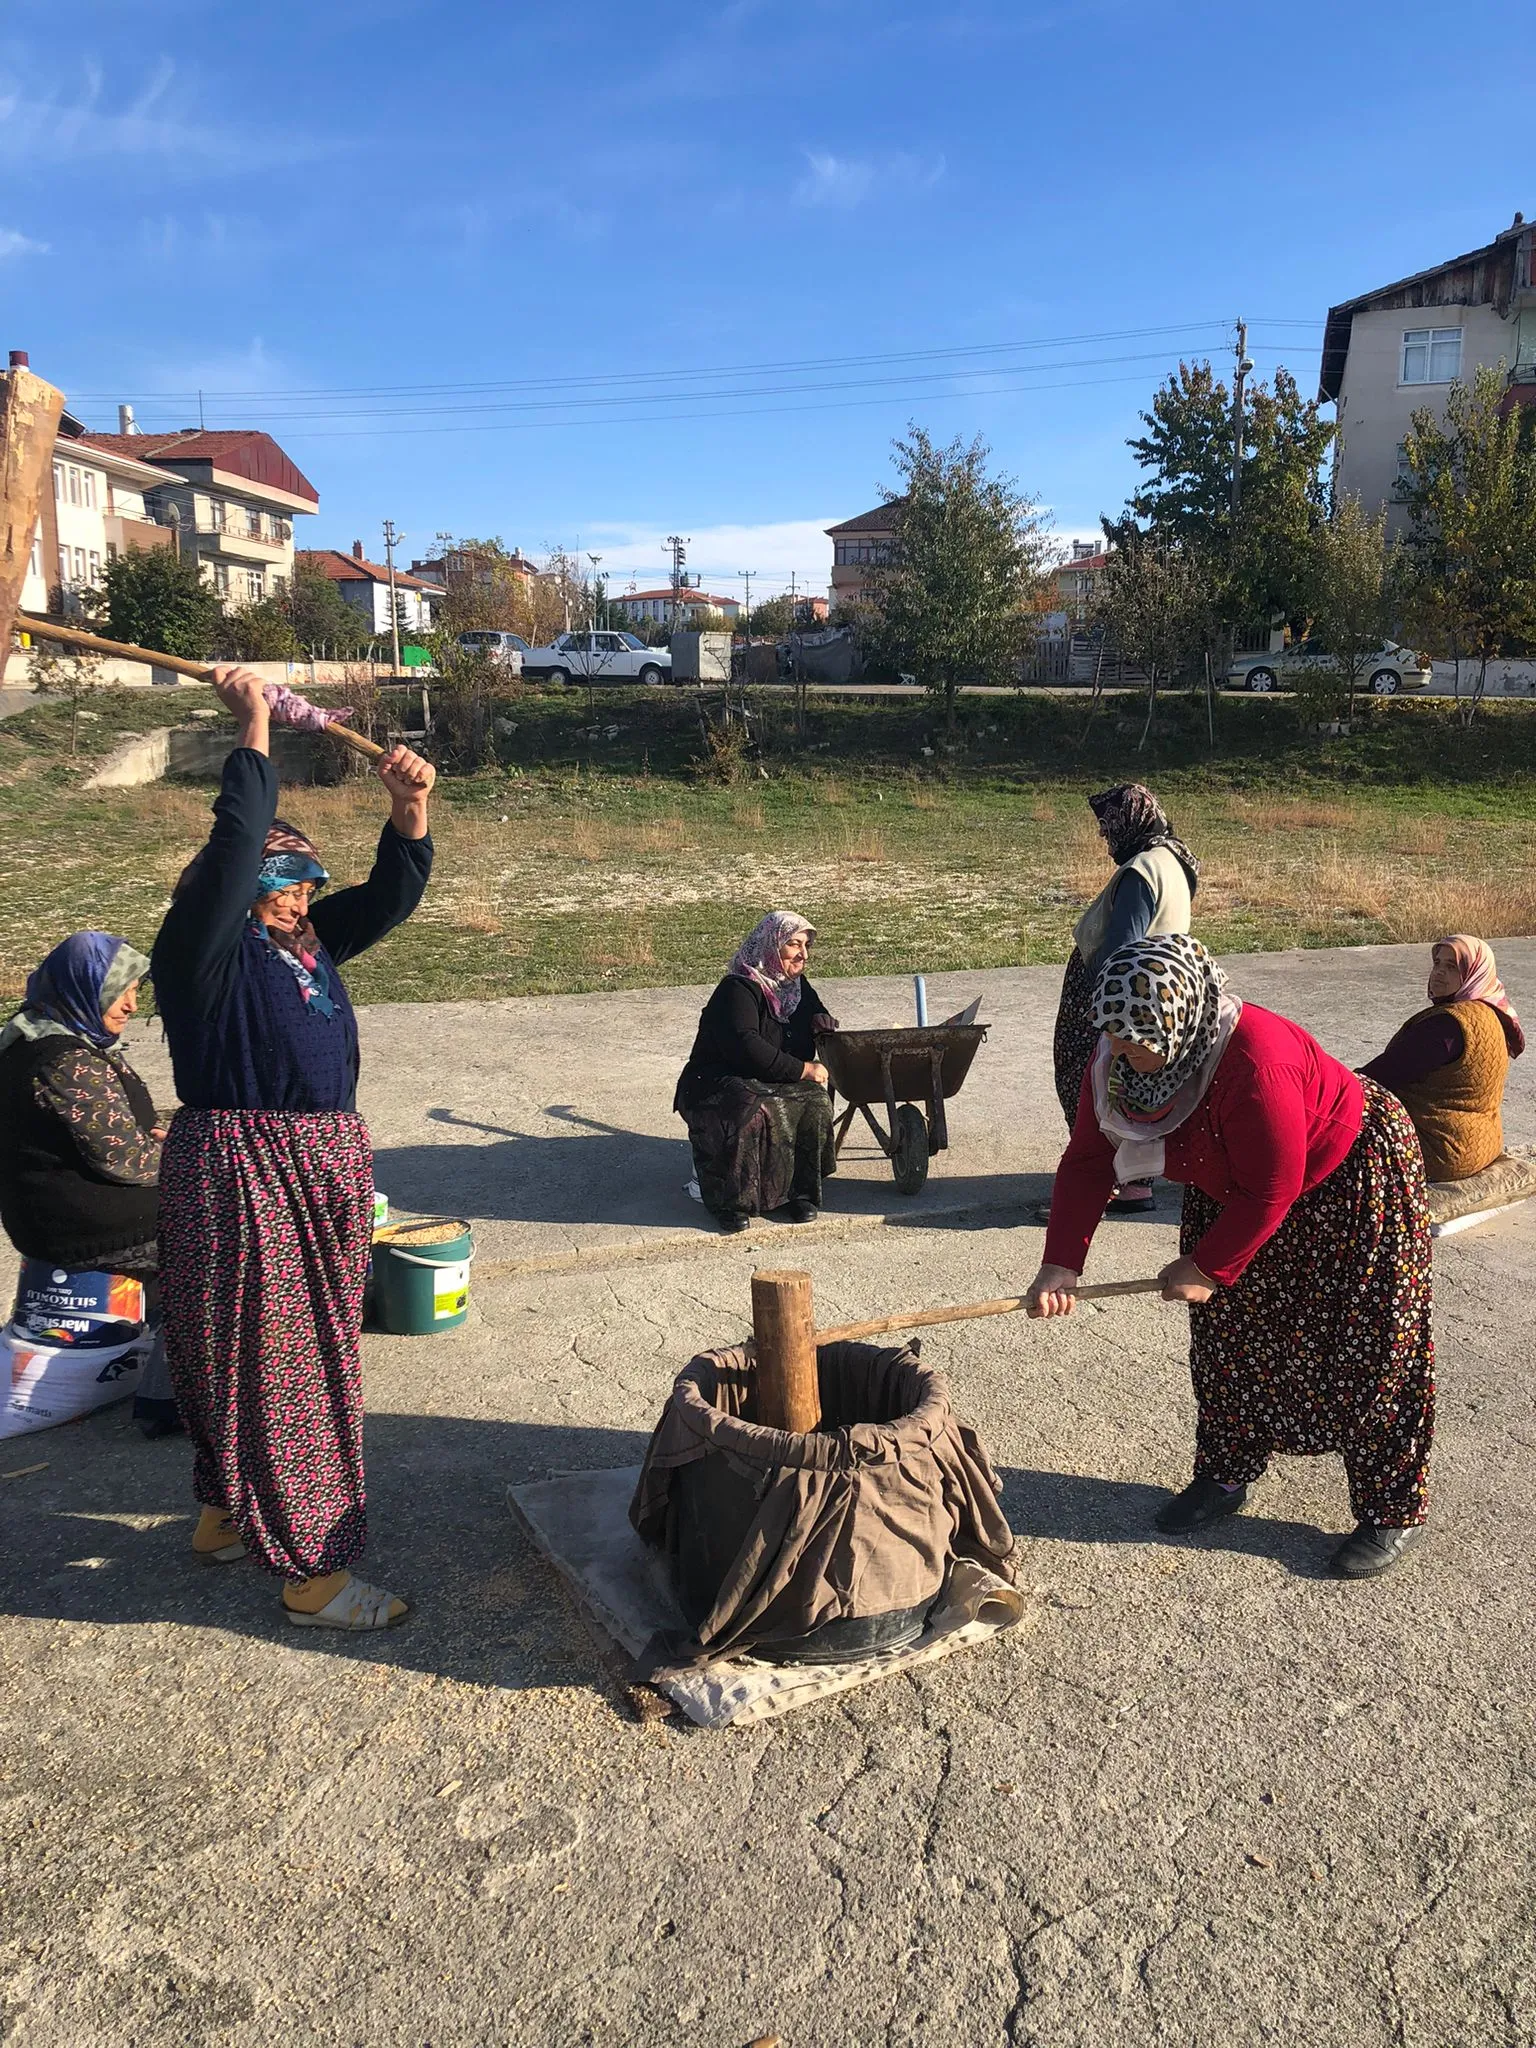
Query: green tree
(156, 598)
(1257, 571)
(1154, 609)
(966, 576)
(773, 618)
(322, 621)
(257, 632)
(1469, 555)
(1351, 593)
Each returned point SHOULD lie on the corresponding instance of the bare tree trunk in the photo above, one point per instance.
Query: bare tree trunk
(1210, 700)
(1151, 705)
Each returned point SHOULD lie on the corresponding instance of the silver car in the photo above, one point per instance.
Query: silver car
(1391, 669)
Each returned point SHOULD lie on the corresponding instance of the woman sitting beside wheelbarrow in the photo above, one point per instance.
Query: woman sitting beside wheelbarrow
(754, 1094)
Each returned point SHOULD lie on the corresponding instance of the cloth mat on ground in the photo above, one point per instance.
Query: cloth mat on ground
(1456, 1205)
(580, 1520)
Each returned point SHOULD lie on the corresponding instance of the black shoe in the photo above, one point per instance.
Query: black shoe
(734, 1222)
(1373, 1549)
(1202, 1501)
(802, 1210)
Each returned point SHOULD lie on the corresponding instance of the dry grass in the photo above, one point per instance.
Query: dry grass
(747, 814)
(632, 953)
(864, 844)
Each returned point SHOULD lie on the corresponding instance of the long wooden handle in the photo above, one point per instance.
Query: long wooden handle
(973, 1311)
(200, 671)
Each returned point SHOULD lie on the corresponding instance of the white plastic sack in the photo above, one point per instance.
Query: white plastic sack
(47, 1384)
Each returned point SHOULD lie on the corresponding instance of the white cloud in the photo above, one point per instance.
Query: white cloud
(845, 182)
(39, 127)
(774, 552)
(14, 243)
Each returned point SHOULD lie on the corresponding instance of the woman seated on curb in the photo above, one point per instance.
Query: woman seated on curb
(1448, 1064)
(79, 1139)
(753, 1094)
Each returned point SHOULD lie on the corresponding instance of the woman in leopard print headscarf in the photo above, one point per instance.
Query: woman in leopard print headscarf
(1305, 1254)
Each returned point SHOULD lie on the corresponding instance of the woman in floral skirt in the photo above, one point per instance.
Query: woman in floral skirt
(1305, 1248)
(266, 1183)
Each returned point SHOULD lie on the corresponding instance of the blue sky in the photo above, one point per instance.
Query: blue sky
(587, 276)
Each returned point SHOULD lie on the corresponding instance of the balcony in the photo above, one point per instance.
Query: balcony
(239, 545)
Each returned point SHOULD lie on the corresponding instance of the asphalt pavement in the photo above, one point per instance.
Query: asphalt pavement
(1205, 1796)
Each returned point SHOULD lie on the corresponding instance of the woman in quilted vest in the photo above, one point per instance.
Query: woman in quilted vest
(1147, 897)
(1448, 1064)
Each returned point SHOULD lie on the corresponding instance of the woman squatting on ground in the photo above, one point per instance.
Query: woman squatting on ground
(754, 1094)
(1149, 895)
(266, 1203)
(1305, 1248)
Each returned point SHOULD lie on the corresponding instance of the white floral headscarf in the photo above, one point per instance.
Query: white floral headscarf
(757, 959)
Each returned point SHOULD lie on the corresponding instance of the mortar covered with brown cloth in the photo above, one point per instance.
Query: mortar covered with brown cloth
(802, 1545)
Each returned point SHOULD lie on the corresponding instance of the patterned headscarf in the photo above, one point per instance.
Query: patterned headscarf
(1480, 983)
(757, 959)
(71, 990)
(1164, 994)
(288, 857)
(1134, 821)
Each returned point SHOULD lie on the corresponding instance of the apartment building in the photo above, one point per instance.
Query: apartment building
(858, 546)
(230, 498)
(656, 605)
(1400, 347)
(95, 511)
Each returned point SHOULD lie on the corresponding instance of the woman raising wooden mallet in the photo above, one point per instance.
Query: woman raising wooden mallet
(266, 1183)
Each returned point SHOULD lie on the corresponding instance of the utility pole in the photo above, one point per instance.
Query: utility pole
(391, 541)
(1238, 382)
(678, 543)
(746, 576)
(594, 560)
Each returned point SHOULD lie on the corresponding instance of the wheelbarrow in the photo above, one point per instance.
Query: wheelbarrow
(900, 1069)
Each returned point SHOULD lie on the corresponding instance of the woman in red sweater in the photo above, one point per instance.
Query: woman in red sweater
(1305, 1250)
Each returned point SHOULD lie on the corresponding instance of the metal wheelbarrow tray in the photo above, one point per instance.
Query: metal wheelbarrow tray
(923, 1064)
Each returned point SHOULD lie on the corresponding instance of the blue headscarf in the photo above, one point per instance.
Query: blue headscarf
(80, 979)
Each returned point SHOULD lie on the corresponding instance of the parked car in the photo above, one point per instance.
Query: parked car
(1392, 669)
(599, 658)
(507, 650)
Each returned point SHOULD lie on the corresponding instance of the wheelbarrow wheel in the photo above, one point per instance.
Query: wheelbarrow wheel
(909, 1149)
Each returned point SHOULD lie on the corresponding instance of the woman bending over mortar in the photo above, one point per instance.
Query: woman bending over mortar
(1305, 1251)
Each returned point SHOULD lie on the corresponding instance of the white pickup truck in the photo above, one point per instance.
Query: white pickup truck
(599, 658)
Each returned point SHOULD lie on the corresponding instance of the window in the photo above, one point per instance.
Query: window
(216, 514)
(35, 560)
(1403, 470)
(58, 482)
(95, 566)
(1431, 355)
(256, 584)
(221, 579)
(79, 565)
(88, 488)
(74, 484)
(253, 522)
(64, 566)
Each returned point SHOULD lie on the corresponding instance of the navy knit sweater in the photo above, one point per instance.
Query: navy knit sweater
(240, 1033)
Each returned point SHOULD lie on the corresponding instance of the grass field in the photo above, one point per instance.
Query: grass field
(594, 856)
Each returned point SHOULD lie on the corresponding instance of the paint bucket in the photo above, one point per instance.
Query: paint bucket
(57, 1307)
(421, 1275)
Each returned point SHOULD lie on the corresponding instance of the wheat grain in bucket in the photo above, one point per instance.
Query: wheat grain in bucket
(754, 1093)
(267, 1177)
(79, 1136)
(1304, 1248)
(1149, 894)
(1449, 1063)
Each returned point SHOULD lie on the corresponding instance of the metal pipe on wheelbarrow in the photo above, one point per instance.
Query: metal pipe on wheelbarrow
(920, 991)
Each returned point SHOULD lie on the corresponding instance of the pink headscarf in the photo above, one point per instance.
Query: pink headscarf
(1480, 983)
(757, 959)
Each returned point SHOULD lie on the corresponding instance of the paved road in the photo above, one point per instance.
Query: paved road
(1206, 1795)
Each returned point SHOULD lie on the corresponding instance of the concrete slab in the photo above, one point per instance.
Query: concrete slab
(1212, 1796)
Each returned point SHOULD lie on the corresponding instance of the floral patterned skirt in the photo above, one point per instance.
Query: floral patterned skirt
(1076, 1035)
(265, 1225)
(756, 1143)
(1324, 1343)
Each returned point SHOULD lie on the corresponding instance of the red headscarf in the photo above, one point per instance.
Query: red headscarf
(1480, 983)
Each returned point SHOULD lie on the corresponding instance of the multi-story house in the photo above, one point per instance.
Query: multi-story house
(229, 496)
(859, 545)
(1394, 350)
(95, 510)
(365, 586)
(656, 605)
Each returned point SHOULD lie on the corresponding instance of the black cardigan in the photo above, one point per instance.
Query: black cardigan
(53, 1205)
(740, 1037)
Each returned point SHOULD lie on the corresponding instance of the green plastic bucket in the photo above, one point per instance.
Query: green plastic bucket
(421, 1287)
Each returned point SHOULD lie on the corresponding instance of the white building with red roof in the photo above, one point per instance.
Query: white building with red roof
(365, 586)
(657, 604)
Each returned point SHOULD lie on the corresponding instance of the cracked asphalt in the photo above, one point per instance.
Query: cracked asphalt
(1205, 1795)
